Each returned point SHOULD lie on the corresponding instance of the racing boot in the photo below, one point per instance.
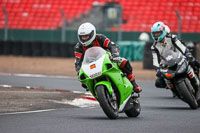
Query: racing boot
(84, 86)
(136, 88)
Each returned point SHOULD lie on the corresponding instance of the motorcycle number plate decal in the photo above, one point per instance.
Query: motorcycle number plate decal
(95, 75)
(92, 66)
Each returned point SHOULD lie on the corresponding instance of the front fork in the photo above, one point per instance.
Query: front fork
(107, 84)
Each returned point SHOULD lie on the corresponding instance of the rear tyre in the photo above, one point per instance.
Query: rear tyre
(107, 102)
(135, 110)
(185, 91)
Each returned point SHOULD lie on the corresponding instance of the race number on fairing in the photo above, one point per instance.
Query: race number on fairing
(92, 66)
(169, 57)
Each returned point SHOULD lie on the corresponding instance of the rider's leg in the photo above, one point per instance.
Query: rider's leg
(195, 82)
(193, 78)
(126, 67)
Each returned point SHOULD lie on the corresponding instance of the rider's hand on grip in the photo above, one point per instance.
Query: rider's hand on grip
(158, 74)
(189, 57)
(116, 59)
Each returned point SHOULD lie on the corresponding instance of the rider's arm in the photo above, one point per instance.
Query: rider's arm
(78, 57)
(111, 46)
(179, 45)
(114, 49)
(183, 49)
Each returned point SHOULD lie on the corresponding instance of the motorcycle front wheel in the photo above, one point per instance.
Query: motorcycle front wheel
(184, 89)
(107, 102)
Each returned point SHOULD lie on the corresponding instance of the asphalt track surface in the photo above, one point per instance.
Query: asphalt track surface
(160, 113)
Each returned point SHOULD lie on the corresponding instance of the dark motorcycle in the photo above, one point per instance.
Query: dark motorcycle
(174, 67)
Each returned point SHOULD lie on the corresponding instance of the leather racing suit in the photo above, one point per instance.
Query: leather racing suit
(171, 43)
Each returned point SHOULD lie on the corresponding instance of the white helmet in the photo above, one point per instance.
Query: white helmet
(86, 29)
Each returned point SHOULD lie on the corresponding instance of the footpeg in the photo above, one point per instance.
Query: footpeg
(135, 95)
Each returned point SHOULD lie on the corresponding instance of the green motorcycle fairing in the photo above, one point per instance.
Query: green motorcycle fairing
(109, 72)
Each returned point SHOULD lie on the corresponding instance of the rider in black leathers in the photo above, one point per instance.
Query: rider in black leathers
(88, 38)
(164, 41)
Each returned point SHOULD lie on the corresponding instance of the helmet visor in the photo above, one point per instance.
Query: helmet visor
(157, 34)
(87, 37)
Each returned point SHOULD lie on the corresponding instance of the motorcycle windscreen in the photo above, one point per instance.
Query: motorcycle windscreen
(170, 58)
(93, 54)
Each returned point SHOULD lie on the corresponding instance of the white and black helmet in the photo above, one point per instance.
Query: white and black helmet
(86, 29)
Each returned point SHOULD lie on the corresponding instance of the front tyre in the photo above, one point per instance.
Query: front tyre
(184, 89)
(107, 102)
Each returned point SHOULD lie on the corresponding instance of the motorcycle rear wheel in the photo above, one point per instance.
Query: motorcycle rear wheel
(135, 110)
(106, 101)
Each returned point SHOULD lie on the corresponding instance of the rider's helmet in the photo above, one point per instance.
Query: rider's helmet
(158, 31)
(86, 33)
(167, 29)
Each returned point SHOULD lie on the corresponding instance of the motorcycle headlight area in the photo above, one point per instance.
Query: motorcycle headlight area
(182, 67)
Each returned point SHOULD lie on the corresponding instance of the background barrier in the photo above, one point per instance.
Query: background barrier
(147, 58)
(29, 48)
(71, 35)
(198, 53)
(132, 50)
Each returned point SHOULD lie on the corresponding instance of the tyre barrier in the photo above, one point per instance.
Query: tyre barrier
(147, 57)
(45, 49)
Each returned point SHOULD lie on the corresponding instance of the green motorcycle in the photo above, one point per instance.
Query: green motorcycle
(108, 84)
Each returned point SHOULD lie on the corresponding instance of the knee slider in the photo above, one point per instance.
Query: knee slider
(160, 83)
(128, 66)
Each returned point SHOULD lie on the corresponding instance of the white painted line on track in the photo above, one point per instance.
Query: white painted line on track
(37, 75)
(79, 102)
(6, 86)
(78, 92)
(28, 112)
(87, 101)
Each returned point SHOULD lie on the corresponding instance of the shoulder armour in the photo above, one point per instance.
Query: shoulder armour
(153, 45)
(174, 38)
(100, 36)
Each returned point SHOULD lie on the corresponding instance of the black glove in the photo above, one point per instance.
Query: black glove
(116, 58)
(189, 57)
(158, 74)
